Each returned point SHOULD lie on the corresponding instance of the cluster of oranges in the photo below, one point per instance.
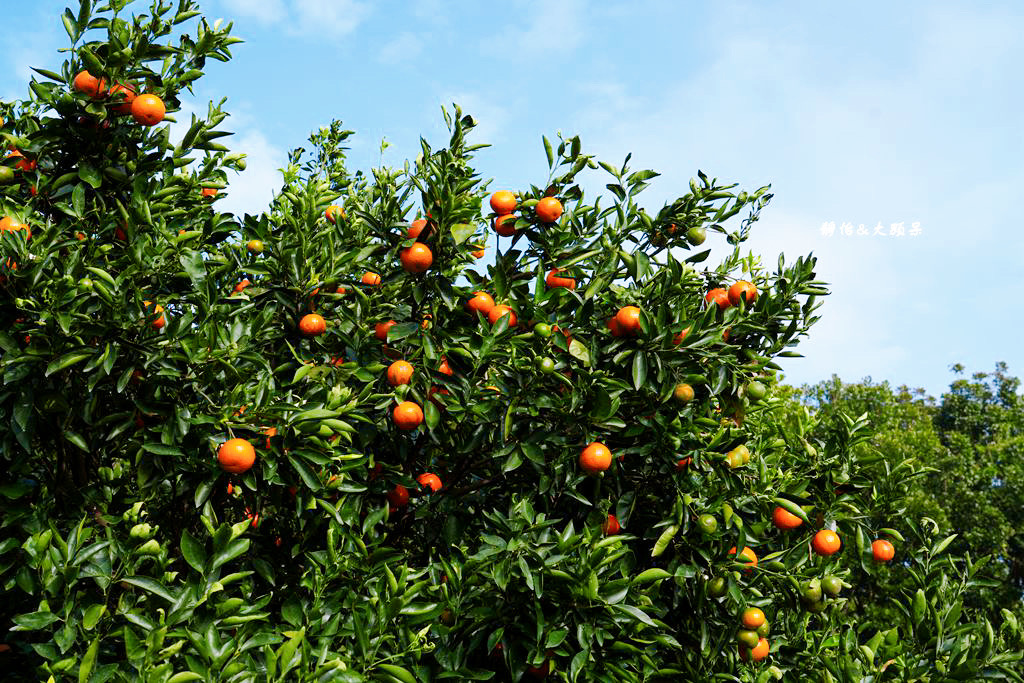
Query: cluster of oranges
(147, 109)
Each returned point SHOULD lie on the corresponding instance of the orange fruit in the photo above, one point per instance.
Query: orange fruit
(683, 393)
(124, 94)
(499, 311)
(826, 542)
(503, 202)
(784, 519)
(614, 326)
(159, 323)
(444, 368)
(398, 496)
(595, 458)
(236, 456)
(748, 553)
(678, 339)
(312, 325)
(430, 481)
(417, 258)
(380, 330)
(148, 110)
(752, 618)
(553, 280)
(757, 653)
(416, 227)
(371, 279)
(501, 228)
(482, 302)
(718, 296)
(86, 83)
(209, 192)
(399, 372)
(548, 210)
(683, 463)
(479, 253)
(882, 550)
(8, 224)
(628, 319)
(407, 415)
(334, 212)
(611, 526)
(742, 289)
(242, 285)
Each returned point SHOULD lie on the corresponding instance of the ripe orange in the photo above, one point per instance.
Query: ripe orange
(719, 296)
(628, 319)
(334, 212)
(553, 280)
(756, 653)
(752, 618)
(159, 323)
(371, 279)
(481, 301)
(398, 496)
(595, 458)
(501, 310)
(148, 110)
(501, 228)
(444, 368)
(742, 289)
(312, 325)
(479, 253)
(678, 339)
(416, 227)
(124, 94)
(417, 258)
(8, 224)
(748, 553)
(429, 480)
(24, 164)
(613, 325)
(784, 519)
(826, 542)
(683, 463)
(683, 393)
(380, 330)
(503, 202)
(242, 285)
(399, 372)
(548, 210)
(882, 550)
(209, 192)
(86, 83)
(236, 456)
(611, 526)
(407, 415)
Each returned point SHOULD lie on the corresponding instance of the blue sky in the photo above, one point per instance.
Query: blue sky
(863, 114)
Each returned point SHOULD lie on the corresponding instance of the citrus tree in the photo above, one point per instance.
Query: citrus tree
(360, 437)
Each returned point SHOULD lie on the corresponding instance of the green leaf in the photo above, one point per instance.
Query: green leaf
(462, 232)
(92, 616)
(161, 449)
(548, 151)
(89, 661)
(90, 175)
(66, 361)
(639, 369)
(78, 200)
(398, 672)
(184, 677)
(305, 473)
(192, 550)
(636, 613)
(150, 585)
(231, 551)
(654, 574)
(35, 621)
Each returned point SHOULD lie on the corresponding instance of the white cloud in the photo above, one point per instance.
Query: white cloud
(326, 18)
(404, 47)
(251, 191)
(554, 28)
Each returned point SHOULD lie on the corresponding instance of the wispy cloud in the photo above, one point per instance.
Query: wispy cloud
(554, 27)
(324, 18)
(403, 48)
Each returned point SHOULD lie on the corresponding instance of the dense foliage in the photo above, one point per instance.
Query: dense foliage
(204, 481)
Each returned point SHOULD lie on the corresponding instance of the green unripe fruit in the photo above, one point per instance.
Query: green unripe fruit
(755, 391)
(696, 237)
(150, 547)
(748, 638)
(811, 590)
(85, 285)
(542, 330)
(832, 585)
(141, 531)
(708, 524)
(546, 365)
(717, 587)
(764, 629)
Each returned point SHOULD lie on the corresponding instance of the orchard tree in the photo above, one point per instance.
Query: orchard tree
(330, 442)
